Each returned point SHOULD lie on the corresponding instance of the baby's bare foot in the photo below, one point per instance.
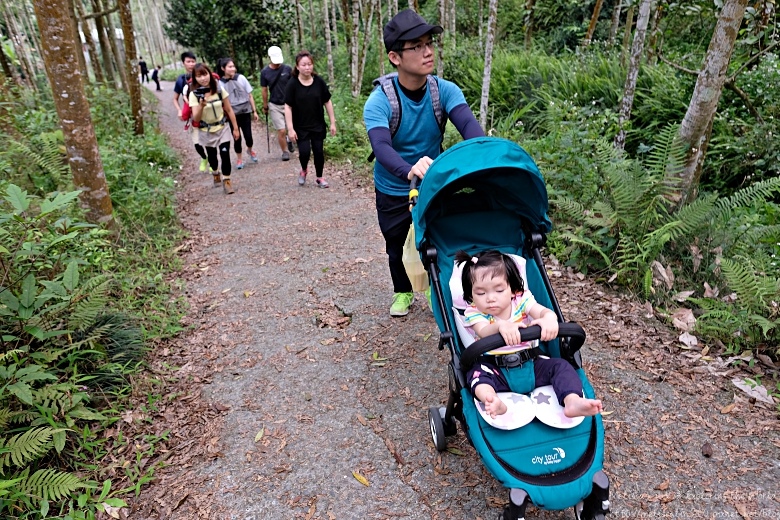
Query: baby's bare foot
(494, 406)
(576, 406)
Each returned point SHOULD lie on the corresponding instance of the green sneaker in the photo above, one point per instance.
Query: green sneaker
(427, 293)
(401, 303)
(204, 165)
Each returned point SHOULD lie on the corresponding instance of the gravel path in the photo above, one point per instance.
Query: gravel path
(292, 384)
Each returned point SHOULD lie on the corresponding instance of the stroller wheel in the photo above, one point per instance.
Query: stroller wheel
(437, 429)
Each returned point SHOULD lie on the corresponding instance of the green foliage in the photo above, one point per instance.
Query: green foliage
(218, 29)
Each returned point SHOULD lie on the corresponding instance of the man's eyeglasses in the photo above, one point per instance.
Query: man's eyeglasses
(420, 46)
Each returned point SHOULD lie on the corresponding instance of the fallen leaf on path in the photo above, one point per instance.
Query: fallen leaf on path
(360, 478)
(663, 486)
(742, 510)
(362, 420)
(683, 319)
(247, 294)
(682, 296)
(260, 434)
(456, 451)
(689, 340)
(754, 390)
(728, 408)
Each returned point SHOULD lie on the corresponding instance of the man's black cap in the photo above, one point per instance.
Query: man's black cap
(407, 25)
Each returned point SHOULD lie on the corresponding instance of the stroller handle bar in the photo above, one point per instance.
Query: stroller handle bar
(413, 192)
(565, 330)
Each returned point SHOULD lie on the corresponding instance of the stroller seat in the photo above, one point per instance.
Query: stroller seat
(500, 202)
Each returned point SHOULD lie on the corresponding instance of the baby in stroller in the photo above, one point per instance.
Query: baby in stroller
(499, 303)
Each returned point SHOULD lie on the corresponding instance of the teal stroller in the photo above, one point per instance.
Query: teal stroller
(487, 193)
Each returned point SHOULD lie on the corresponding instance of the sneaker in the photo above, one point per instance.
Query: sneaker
(253, 155)
(285, 156)
(302, 177)
(217, 179)
(240, 165)
(227, 186)
(204, 165)
(322, 183)
(427, 293)
(290, 146)
(401, 303)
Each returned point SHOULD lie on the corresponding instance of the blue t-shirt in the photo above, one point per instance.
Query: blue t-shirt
(418, 133)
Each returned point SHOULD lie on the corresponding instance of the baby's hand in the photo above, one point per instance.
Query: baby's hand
(549, 325)
(509, 331)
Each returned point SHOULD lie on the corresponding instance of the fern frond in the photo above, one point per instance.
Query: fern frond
(752, 289)
(569, 208)
(694, 215)
(51, 484)
(49, 159)
(667, 156)
(5, 418)
(745, 197)
(25, 446)
(91, 300)
(586, 242)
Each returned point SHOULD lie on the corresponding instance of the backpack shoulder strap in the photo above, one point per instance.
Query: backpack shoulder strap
(387, 85)
(438, 109)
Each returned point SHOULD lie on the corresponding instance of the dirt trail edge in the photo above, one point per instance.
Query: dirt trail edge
(294, 395)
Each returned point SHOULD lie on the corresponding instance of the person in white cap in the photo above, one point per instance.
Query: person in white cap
(273, 81)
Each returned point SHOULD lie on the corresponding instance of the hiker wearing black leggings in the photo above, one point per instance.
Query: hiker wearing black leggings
(211, 111)
(243, 104)
(305, 96)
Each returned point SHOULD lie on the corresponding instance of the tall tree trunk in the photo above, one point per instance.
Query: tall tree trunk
(72, 106)
(613, 28)
(112, 40)
(373, 5)
(529, 23)
(592, 26)
(354, 57)
(313, 22)
(627, 35)
(452, 27)
(652, 41)
(697, 124)
(74, 23)
(440, 41)
(16, 37)
(328, 46)
(299, 19)
(379, 43)
(335, 21)
(94, 57)
(491, 31)
(130, 59)
(105, 47)
(633, 71)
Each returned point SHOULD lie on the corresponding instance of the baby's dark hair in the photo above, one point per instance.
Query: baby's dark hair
(498, 264)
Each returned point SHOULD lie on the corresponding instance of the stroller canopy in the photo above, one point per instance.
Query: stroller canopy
(503, 172)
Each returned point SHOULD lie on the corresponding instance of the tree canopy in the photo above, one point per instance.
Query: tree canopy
(242, 30)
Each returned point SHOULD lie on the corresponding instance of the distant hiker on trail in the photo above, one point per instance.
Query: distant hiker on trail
(306, 94)
(182, 88)
(243, 104)
(211, 111)
(274, 78)
(408, 149)
(156, 76)
(144, 70)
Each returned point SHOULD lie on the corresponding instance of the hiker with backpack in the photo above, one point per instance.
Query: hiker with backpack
(211, 112)
(405, 117)
(181, 89)
(243, 104)
(304, 99)
(273, 81)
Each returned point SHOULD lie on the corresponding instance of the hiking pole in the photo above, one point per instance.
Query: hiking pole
(267, 135)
